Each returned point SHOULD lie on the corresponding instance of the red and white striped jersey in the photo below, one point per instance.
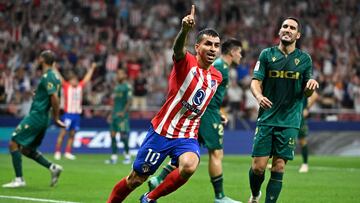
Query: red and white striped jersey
(190, 91)
(72, 97)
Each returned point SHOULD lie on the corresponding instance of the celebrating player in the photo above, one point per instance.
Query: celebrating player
(282, 78)
(28, 135)
(173, 132)
(211, 130)
(72, 95)
(119, 117)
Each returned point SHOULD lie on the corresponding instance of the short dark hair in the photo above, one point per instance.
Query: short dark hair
(48, 56)
(229, 44)
(297, 21)
(207, 31)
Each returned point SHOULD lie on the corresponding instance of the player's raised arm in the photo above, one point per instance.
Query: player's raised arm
(188, 22)
(89, 73)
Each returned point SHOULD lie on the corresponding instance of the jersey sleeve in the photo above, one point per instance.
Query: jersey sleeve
(184, 64)
(82, 83)
(259, 69)
(65, 84)
(309, 69)
(52, 84)
(129, 92)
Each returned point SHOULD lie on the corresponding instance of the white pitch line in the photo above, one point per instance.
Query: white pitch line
(34, 199)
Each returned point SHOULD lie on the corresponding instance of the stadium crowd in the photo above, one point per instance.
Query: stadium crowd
(133, 35)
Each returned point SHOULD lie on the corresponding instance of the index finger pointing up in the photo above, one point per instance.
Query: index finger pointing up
(192, 13)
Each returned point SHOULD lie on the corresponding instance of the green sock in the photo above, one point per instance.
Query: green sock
(305, 154)
(255, 182)
(17, 163)
(125, 140)
(273, 188)
(164, 172)
(39, 158)
(113, 145)
(217, 183)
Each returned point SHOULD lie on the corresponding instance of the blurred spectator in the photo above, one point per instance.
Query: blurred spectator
(235, 95)
(137, 35)
(140, 92)
(25, 104)
(354, 91)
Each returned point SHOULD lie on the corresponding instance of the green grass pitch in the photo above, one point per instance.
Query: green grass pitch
(88, 179)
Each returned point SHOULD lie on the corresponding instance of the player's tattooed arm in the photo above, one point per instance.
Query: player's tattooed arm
(188, 22)
(256, 89)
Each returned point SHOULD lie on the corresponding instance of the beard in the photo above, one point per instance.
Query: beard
(287, 42)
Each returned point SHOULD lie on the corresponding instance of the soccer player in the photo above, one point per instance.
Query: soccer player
(119, 117)
(29, 133)
(304, 131)
(211, 130)
(72, 97)
(173, 132)
(281, 79)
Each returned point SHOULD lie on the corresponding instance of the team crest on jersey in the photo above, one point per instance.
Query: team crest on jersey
(199, 97)
(213, 83)
(257, 66)
(297, 61)
(50, 85)
(273, 59)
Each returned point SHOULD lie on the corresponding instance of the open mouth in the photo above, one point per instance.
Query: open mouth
(211, 56)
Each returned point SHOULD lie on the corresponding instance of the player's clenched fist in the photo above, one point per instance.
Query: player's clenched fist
(188, 21)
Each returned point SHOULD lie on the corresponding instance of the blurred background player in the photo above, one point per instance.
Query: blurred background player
(281, 79)
(29, 134)
(173, 132)
(304, 131)
(72, 99)
(211, 130)
(119, 118)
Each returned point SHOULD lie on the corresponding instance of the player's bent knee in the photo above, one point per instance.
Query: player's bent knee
(259, 170)
(187, 169)
(134, 180)
(278, 168)
(278, 165)
(13, 146)
(188, 163)
(217, 155)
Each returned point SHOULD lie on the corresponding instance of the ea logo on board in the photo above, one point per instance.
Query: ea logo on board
(199, 97)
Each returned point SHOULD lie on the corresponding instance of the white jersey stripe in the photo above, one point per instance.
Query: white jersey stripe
(73, 99)
(177, 98)
(208, 94)
(192, 131)
(187, 121)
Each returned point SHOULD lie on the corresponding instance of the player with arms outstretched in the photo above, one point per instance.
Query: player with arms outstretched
(282, 78)
(211, 130)
(119, 117)
(72, 97)
(29, 134)
(192, 83)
